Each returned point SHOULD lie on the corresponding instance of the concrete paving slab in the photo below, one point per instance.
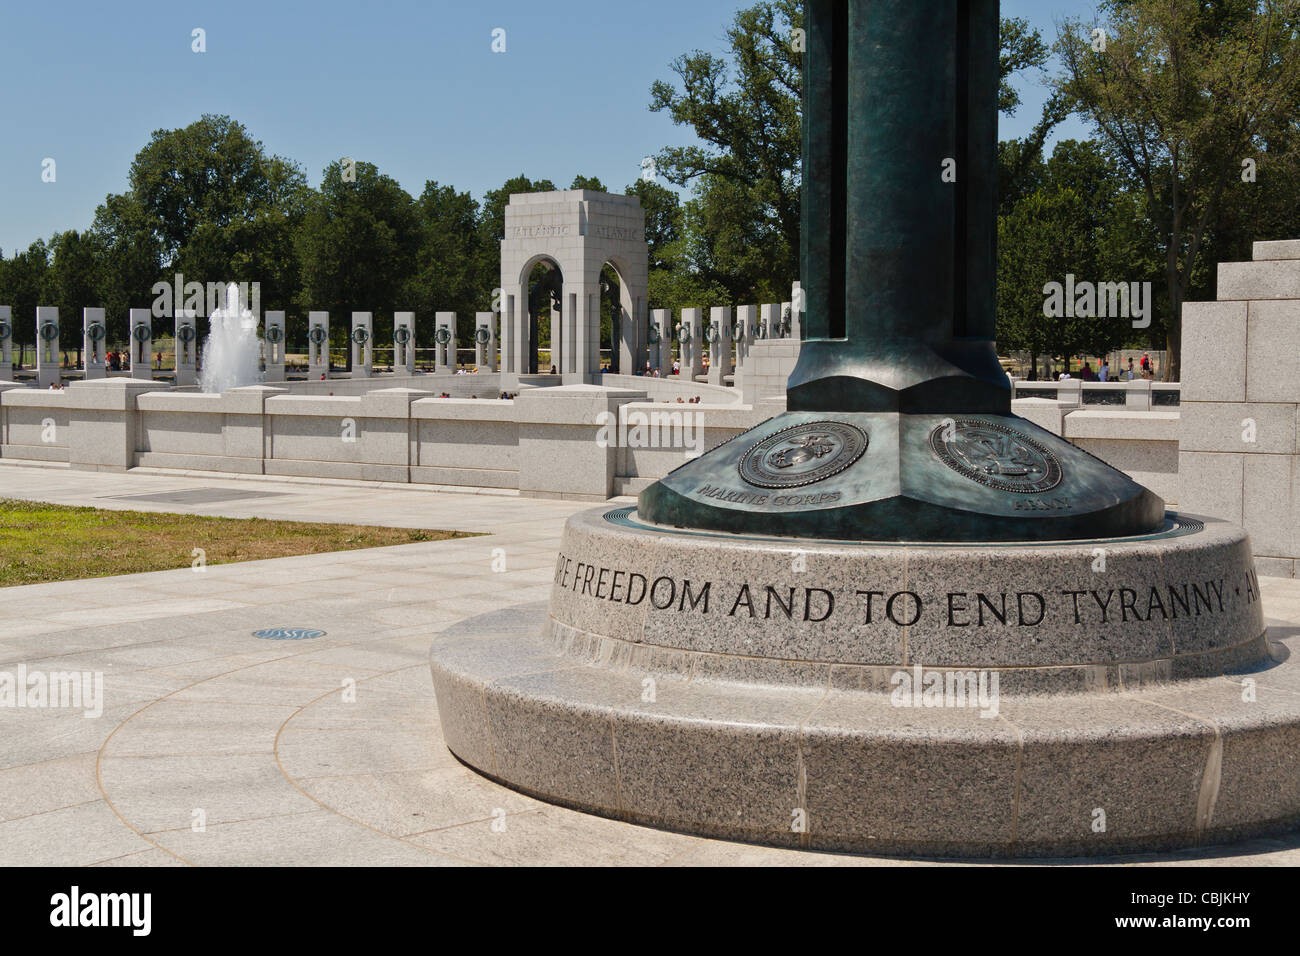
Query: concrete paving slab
(260, 734)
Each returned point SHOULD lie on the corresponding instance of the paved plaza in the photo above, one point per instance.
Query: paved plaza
(216, 747)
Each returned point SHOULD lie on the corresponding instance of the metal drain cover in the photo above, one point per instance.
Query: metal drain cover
(288, 633)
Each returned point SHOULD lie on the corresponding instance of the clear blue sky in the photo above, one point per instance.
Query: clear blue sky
(410, 85)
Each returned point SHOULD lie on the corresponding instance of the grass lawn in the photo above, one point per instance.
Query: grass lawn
(41, 542)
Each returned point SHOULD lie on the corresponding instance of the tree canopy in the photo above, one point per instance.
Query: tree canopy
(1194, 154)
(1187, 96)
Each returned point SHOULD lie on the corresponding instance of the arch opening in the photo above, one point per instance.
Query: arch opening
(545, 284)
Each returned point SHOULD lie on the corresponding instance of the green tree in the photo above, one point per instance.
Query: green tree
(71, 282)
(446, 277)
(492, 212)
(1181, 94)
(1022, 49)
(743, 216)
(209, 193)
(737, 253)
(130, 260)
(746, 172)
(1269, 208)
(262, 245)
(1079, 220)
(663, 220)
(23, 287)
(358, 245)
(492, 229)
(673, 281)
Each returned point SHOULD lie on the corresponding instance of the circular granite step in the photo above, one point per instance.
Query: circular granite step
(1053, 616)
(1093, 727)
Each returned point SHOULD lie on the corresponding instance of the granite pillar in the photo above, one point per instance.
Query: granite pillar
(94, 362)
(6, 343)
(720, 345)
(140, 339)
(362, 339)
(273, 346)
(444, 339)
(404, 343)
(47, 346)
(186, 342)
(318, 345)
(690, 337)
(485, 342)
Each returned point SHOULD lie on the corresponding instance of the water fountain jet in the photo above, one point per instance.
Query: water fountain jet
(232, 350)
